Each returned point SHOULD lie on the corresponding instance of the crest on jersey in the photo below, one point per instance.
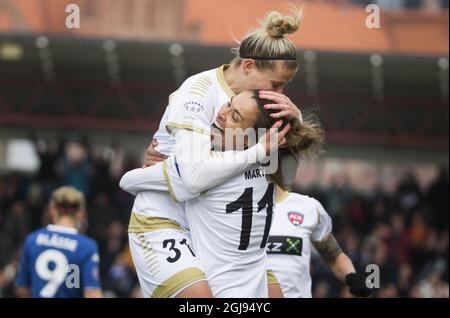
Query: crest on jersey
(193, 107)
(296, 218)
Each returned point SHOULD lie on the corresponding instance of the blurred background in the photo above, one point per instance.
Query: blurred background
(79, 106)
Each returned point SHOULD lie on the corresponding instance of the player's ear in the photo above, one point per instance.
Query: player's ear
(53, 212)
(248, 66)
(80, 215)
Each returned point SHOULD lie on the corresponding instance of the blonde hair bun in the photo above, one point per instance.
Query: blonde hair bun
(278, 25)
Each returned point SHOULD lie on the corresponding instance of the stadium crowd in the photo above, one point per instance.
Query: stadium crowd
(404, 232)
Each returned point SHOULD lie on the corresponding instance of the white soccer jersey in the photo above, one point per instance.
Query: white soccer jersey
(193, 106)
(298, 220)
(200, 96)
(229, 227)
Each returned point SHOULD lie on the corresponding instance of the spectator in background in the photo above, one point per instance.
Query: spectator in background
(49, 153)
(35, 205)
(111, 245)
(338, 196)
(408, 196)
(13, 230)
(400, 241)
(437, 198)
(418, 233)
(321, 289)
(431, 286)
(356, 212)
(76, 167)
(120, 278)
(404, 280)
(405, 232)
(102, 213)
(388, 291)
(377, 209)
(350, 244)
(101, 180)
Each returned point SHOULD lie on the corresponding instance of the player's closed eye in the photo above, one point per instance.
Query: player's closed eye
(236, 116)
(276, 86)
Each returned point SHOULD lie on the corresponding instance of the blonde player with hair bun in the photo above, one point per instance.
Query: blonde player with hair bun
(159, 231)
(269, 40)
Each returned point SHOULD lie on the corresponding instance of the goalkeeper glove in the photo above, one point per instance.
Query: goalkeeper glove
(357, 284)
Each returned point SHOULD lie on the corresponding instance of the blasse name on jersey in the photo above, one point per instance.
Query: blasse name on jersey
(57, 241)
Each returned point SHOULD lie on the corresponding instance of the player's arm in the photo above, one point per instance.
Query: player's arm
(159, 177)
(332, 255)
(201, 175)
(341, 266)
(90, 273)
(330, 251)
(144, 179)
(200, 170)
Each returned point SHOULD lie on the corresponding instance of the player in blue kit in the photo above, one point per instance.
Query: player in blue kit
(57, 261)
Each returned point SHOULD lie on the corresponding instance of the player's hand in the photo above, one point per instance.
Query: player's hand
(286, 108)
(357, 284)
(152, 156)
(274, 138)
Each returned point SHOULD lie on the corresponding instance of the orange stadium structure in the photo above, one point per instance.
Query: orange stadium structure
(330, 26)
(339, 79)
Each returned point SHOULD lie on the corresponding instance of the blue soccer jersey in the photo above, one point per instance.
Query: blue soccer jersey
(57, 262)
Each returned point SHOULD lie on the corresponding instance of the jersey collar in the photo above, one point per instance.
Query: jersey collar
(282, 197)
(221, 78)
(63, 229)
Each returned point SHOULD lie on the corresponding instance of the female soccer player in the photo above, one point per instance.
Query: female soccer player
(265, 60)
(56, 261)
(298, 222)
(230, 223)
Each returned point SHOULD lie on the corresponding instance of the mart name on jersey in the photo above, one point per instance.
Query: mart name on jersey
(255, 173)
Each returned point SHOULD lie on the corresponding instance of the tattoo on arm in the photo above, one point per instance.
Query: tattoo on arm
(328, 248)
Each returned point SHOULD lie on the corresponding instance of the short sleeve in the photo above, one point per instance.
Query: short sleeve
(165, 142)
(324, 223)
(192, 107)
(90, 270)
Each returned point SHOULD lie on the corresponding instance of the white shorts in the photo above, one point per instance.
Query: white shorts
(163, 257)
